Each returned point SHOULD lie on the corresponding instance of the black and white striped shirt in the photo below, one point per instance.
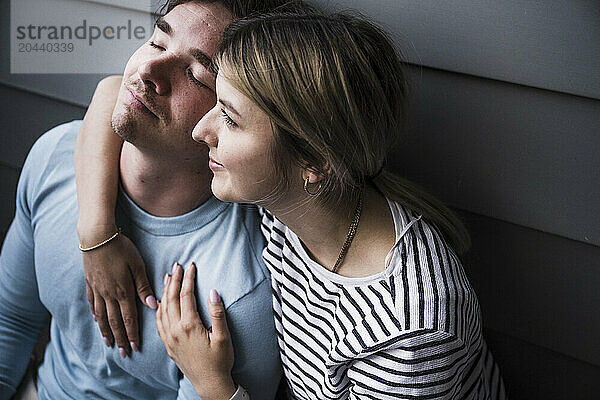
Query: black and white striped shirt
(412, 331)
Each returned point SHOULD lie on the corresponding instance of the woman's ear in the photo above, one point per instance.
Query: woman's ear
(312, 176)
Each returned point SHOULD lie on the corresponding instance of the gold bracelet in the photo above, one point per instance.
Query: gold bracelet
(101, 243)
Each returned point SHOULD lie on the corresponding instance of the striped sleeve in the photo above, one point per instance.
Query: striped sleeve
(422, 364)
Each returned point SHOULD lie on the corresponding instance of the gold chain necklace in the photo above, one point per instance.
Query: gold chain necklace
(350, 235)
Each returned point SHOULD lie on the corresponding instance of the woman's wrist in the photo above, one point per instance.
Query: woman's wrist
(240, 394)
(223, 390)
(91, 233)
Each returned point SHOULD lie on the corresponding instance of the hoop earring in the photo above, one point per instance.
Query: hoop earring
(312, 193)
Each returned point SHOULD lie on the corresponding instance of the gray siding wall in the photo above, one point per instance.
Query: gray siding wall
(504, 126)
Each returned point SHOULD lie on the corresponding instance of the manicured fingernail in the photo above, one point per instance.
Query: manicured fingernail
(151, 301)
(214, 297)
(122, 352)
(106, 342)
(166, 279)
(174, 268)
(133, 346)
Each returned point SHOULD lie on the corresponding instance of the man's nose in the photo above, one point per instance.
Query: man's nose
(156, 74)
(204, 131)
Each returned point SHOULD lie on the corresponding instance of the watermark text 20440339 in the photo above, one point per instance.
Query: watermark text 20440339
(76, 36)
(50, 47)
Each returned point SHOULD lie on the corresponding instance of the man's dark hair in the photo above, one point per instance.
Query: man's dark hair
(239, 8)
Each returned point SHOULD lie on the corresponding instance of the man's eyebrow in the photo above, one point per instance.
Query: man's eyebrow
(229, 107)
(163, 26)
(204, 59)
(198, 54)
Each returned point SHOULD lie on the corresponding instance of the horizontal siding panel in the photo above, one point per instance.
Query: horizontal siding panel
(533, 372)
(8, 188)
(546, 44)
(71, 88)
(138, 5)
(551, 45)
(537, 287)
(25, 116)
(78, 92)
(515, 153)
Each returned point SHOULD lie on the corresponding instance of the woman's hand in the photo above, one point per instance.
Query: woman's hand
(113, 274)
(205, 357)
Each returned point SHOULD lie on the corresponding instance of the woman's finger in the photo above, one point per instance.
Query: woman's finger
(159, 319)
(164, 301)
(90, 297)
(140, 277)
(173, 288)
(115, 320)
(216, 311)
(130, 320)
(102, 320)
(187, 297)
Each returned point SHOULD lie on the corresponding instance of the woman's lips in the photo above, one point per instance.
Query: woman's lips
(214, 166)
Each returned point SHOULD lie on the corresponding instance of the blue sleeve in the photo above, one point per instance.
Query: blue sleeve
(186, 390)
(257, 365)
(22, 315)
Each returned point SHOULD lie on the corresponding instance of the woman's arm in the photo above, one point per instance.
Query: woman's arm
(205, 357)
(423, 363)
(97, 152)
(114, 271)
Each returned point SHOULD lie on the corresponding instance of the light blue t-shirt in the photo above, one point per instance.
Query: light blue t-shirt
(41, 272)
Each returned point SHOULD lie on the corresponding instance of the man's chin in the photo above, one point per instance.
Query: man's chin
(124, 126)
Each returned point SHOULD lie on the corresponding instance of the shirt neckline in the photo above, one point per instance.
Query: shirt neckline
(344, 280)
(170, 226)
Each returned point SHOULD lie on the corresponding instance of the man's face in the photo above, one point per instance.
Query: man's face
(167, 84)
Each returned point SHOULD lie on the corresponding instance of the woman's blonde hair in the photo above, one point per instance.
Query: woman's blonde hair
(335, 92)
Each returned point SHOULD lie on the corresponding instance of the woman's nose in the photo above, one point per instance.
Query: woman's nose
(205, 130)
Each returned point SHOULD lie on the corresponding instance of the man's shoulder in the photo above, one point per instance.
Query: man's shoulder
(63, 135)
(58, 139)
(52, 151)
(242, 232)
(248, 219)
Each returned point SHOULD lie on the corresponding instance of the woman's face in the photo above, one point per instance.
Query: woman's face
(239, 135)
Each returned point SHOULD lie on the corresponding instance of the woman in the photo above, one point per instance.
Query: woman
(370, 299)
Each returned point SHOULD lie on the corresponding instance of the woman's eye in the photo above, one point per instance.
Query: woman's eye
(227, 119)
(194, 80)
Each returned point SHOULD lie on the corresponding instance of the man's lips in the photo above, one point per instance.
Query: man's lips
(139, 100)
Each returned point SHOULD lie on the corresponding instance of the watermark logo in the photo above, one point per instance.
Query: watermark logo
(76, 36)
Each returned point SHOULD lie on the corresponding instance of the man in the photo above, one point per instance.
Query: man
(165, 207)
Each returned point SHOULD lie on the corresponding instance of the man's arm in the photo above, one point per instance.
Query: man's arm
(22, 315)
